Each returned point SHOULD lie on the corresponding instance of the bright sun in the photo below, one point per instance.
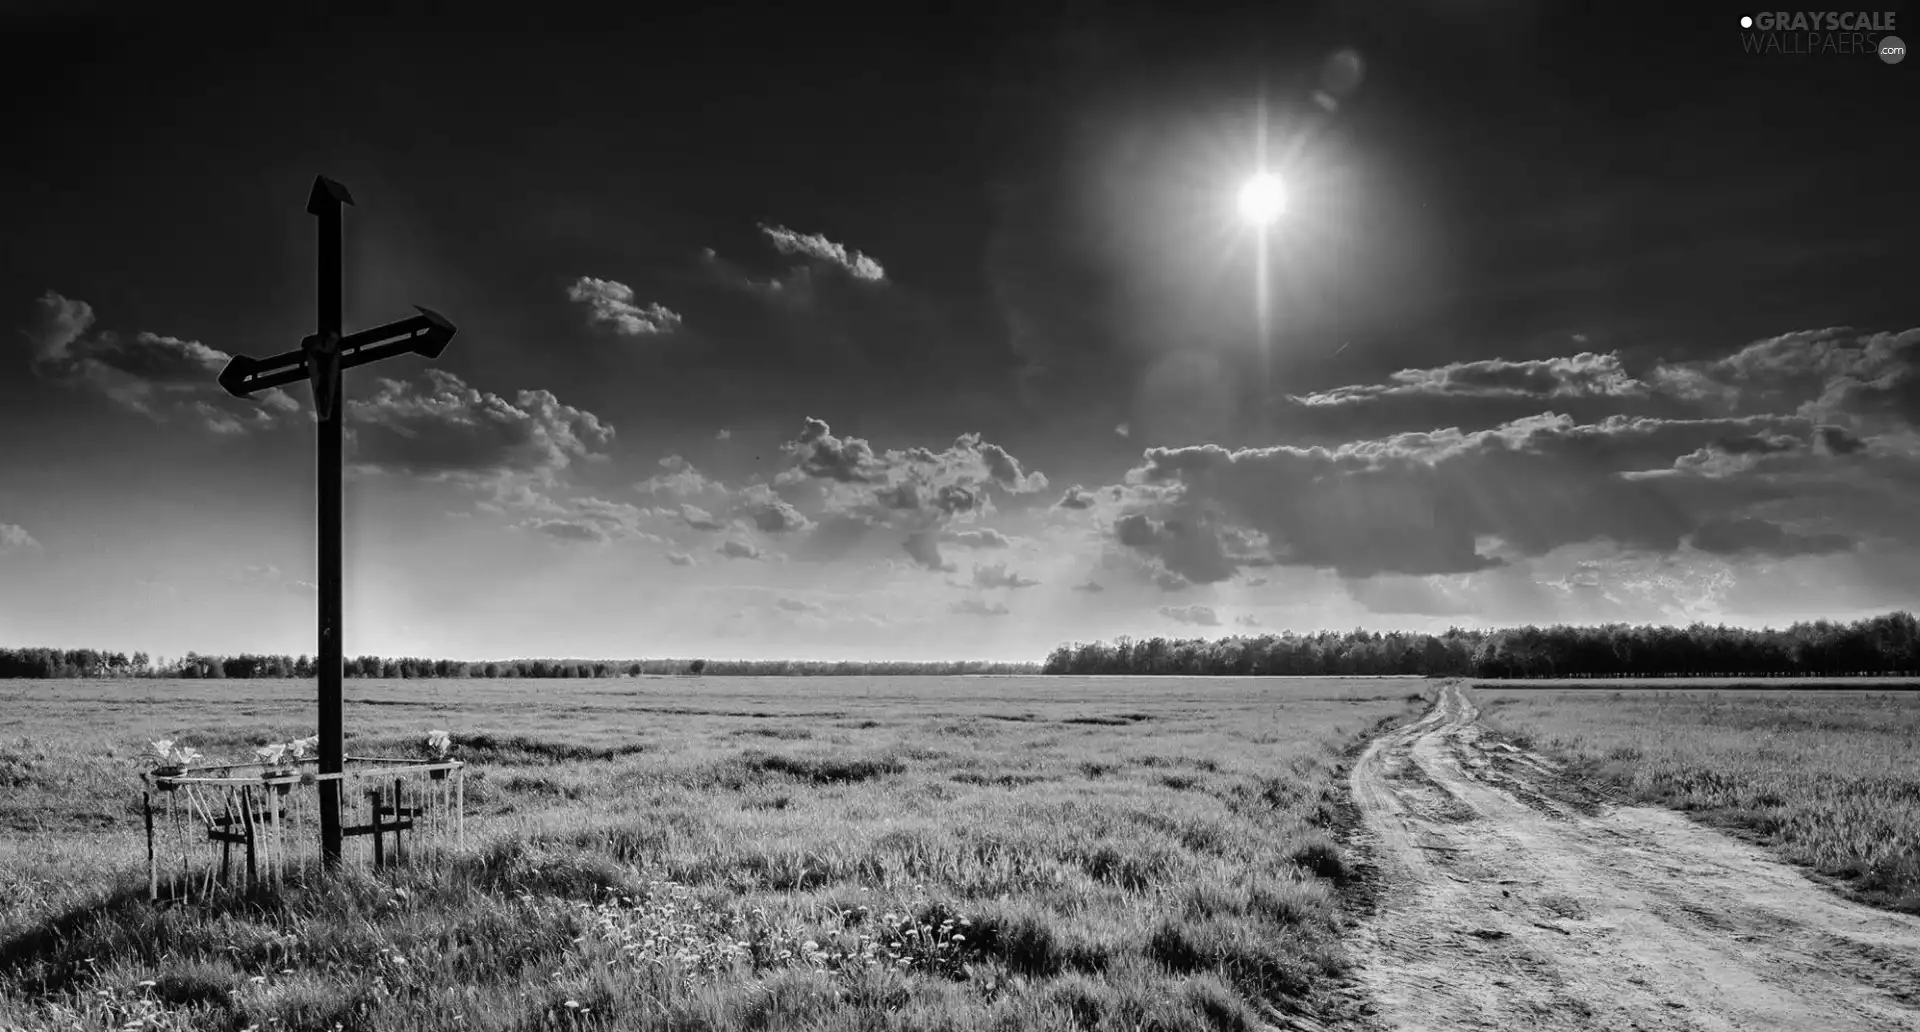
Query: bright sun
(1262, 199)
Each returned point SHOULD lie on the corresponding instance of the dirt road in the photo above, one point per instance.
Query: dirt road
(1516, 899)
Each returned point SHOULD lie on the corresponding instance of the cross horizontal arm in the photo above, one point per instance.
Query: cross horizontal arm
(425, 334)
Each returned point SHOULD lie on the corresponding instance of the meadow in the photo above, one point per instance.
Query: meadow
(689, 853)
(1827, 775)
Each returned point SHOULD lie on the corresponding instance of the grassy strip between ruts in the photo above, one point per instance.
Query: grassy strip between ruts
(1830, 779)
(1149, 854)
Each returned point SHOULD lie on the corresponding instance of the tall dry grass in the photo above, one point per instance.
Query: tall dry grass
(1830, 779)
(862, 853)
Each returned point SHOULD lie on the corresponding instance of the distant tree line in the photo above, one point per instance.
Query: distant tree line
(1882, 645)
(93, 663)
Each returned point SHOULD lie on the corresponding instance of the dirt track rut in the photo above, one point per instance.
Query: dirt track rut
(1514, 898)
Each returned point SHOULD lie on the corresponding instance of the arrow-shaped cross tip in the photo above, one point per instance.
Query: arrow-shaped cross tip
(325, 192)
(440, 322)
(234, 377)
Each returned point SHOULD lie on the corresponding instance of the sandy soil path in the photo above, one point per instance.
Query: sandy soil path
(1516, 899)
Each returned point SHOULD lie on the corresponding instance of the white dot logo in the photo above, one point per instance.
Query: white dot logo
(1746, 22)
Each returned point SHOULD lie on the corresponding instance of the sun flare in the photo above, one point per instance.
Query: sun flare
(1262, 199)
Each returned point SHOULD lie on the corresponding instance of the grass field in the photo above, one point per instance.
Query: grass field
(995, 852)
(1829, 777)
(1767, 684)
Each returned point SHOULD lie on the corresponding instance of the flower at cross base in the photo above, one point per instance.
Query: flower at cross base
(174, 755)
(439, 743)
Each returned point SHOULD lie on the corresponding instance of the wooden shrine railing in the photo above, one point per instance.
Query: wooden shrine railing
(257, 822)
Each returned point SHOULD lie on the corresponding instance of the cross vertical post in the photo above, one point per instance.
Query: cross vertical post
(324, 204)
(320, 359)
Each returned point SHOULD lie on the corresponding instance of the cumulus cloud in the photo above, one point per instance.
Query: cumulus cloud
(915, 490)
(611, 302)
(769, 512)
(700, 519)
(819, 248)
(1834, 376)
(996, 575)
(681, 480)
(156, 375)
(977, 607)
(450, 431)
(734, 549)
(1199, 616)
(1422, 503)
(679, 559)
(1091, 587)
(14, 538)
(1077, 497)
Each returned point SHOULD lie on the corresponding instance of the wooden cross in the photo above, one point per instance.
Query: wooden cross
(320, 360)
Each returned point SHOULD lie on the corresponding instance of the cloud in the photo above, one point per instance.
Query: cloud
(1123, 430)
(976, 607)
(733, 549)
(1200, 616)
(819, 248)
(611, 302)
(915, 490)
(1077, 497)
(996, 575)
(14, 538)
(1422, 503)
(592, 520)
(565, 530)
(448, 430)
(1091, 587)
(769, 512)
(1246, 620)
(699, 519)
(679, 559)
(924, 547)
(1750, 535)
(723, 435)
(795, 605)
(153, 374)
(681, 480)
(1584, 375)
(1861, 381)
(983, 537)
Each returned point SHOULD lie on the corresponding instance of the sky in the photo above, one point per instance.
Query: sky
(818, 334)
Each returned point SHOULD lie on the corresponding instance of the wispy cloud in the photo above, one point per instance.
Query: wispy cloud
(611, 302)
(996, 575)
(818, 247)
(1584, 375)
(1199, 616)
(156, 375)
(14, 538)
